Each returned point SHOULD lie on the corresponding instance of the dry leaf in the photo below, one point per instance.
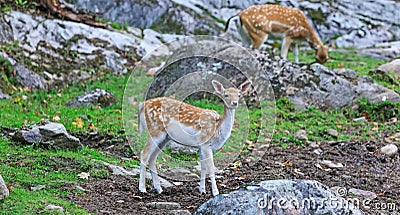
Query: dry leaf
(17, 99)
(78, 123)
(243, 177)
(84, 175)
(56, 118)
(91, 126)
(287, 163)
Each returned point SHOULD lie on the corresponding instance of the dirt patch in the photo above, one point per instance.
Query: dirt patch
(364, 168)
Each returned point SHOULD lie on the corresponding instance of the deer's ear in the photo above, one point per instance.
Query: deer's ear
(245, 87)
(218, 87)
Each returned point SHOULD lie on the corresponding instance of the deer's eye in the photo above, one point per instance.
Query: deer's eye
(226, 95)
(239, 95)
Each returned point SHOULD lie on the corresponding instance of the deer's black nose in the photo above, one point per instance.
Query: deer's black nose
(235, 103)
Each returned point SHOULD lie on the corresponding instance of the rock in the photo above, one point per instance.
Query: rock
(80, 188)
(267, 197)
(389, 150)
(49, 135)
(331, 164)
(385, 51)
(333, 133)
(28, 78)
(301, 135)
(54, 207)
(393, 66)
(179, 148)
(96, 96)
(87, 45)
(39, 187)
(4, 96)
(24, 76)
(118, 170)
(360, 119)
(4, 192)
(164, 205)
(362, 193)
(318, 151)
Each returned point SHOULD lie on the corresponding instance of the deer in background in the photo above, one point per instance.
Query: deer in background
(168, 119)
(258, 21)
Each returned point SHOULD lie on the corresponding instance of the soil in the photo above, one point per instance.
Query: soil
(364, 168)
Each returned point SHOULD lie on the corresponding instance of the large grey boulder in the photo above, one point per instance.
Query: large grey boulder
(290, 197)
(4, 192)
(48, 135)
(167, 16)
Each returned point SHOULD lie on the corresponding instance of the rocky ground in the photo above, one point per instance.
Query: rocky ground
(364, 167)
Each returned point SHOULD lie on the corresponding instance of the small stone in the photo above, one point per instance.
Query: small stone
(318, 151)
(314, 145)
(120, 201)
(54, 207)
(362, 193)
(301, 135)
(80, 188)
(389, 150)
(40, 187)
(333, 133)
(361, 119)
(164, 205)
(331, 164)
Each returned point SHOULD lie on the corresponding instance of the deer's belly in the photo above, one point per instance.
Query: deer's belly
(183, 134)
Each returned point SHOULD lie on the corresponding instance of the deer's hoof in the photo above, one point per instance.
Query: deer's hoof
(159, 190)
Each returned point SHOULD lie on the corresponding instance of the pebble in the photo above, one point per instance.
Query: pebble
(318, 151)
(301, 135)
(39, 187)
(80, 188)
(361, 119)
(331, 164)
(54, 207)
(333, 133)
(389, 150)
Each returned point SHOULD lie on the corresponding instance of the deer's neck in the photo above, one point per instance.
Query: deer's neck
(224, 129)
(314, 39)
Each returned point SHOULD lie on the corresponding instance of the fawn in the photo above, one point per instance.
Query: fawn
(168, 119)
(258, 21)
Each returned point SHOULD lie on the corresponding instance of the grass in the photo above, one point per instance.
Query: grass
(28, 166)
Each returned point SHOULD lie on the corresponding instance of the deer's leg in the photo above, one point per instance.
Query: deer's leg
(152, 164)
(145, 158)
(285, 46)
(203, 170)
(296, 53)
(257, 39)
(208, 161)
